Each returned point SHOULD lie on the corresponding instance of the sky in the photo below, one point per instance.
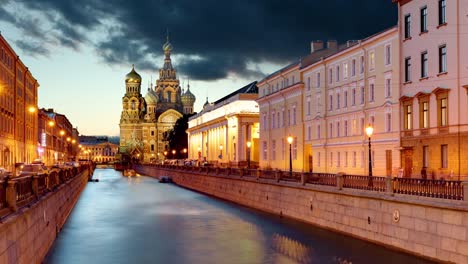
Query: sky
(80, 51)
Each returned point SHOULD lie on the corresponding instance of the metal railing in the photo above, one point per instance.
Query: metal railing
(452, 190)
(430, 188)
(364, 182)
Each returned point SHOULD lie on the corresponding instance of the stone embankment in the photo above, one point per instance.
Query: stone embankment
(33, 209)
(435, 228)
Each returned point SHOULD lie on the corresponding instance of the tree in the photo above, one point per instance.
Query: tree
(177, 137)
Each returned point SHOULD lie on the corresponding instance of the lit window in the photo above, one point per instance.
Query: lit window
(424, 114)
(443, 112)
(426, 156)
(371, 60)
(408, 117)
(444, 156)
(345, 70)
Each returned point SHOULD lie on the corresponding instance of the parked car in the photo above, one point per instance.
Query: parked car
(29, 169)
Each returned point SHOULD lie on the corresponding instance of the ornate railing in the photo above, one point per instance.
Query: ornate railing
(364, 182)
(327, 179)
(3, 201)
(430, 188)
(24, 190)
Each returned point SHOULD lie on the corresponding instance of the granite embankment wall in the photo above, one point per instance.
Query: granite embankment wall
(27, 234)
(430, 227)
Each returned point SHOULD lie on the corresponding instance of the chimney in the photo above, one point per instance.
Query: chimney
(316, 45)
(350, 43)
(332, 44)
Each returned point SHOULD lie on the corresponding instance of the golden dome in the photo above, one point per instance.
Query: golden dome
(133, 76)
(167, 46)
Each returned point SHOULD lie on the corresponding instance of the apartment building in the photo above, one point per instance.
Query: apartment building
(434, 87)
(346, 92)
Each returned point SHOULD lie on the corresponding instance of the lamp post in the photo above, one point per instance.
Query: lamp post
(173, 154)
(249, 144)
(290, 140)
(220, 152)
(165, 155)
(185, 152)
(369, 131)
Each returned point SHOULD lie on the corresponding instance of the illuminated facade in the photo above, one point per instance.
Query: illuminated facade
(18, 105)
(145, 119)
(434, 83)
(58, 140)
(97, 149)
(346, 92)
(220, 132)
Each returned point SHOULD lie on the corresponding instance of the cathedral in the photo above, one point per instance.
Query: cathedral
(144, 119)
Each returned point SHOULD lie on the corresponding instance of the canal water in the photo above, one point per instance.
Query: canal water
(139, 220)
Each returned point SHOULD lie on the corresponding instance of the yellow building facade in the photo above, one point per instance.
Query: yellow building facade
(220, 133)
(346, 92)
(18, 109)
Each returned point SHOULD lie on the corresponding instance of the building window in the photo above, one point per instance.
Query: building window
(289, 117)
(353, 67)
(330, 78)
(338, 105)
(424, 19)
(388, 87)
(273, 120)
(408, 69)
(345, 70)
(308, 105)
(295, 149)
(283, 117)
(294, 115)
(424, 64)
(443, 112)
(444, 156)
(338, 159)
(318, 159)
(442, 17)
(443, 58)
(362, 94)
(331, 130)
(278, 119)
(133, 105)
(371, 92)
(318, 79)
(337, 73)
(338, 128)
(424, 114)
(346, 128)
(265, 153)
(408, 26)
(345, 99)
(362, 159)
(353, 96)
(354, 159)
(331, 159)
(389, 122)
(309, 133)
(273, 150)
(426, 156)
(319, 134)
(362, 126)
(408, 117)
(362, 65)
(331, 102)
(308, 83)
(283, 147)
(152, 147)
(346, 159)
(388, 54)
(265, 124)
(371, 61)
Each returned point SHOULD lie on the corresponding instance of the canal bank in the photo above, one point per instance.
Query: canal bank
(139, 220)
(428, 227)
(27, 233)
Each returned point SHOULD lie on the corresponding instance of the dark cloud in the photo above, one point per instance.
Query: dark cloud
(32, 48)
(223, 36)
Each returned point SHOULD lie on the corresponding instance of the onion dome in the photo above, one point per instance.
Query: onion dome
(133, 76)
(188, 98)
(167, 46)
(151, 98)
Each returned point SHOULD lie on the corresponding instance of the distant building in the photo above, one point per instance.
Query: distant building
(144, 119)
(58, 139)
(220, 132)
(434, 87)
(18, 109)
(97, 149)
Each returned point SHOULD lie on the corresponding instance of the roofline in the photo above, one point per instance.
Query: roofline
(285, 69)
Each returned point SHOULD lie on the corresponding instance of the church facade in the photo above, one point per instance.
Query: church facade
(145, 119)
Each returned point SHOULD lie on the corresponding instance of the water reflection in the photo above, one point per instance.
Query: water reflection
(138, 220)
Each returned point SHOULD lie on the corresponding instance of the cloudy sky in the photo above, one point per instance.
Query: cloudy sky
(81, 50)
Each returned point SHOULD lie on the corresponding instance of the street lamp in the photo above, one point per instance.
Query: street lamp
(249, 144)
(220, 151)
(369, 131)
(165, 154)
(290, 140)
(185, 152)
(173, 154)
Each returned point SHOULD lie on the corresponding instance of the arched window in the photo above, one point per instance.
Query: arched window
(133, 105)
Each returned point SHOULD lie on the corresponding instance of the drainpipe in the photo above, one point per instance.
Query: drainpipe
(458, 86)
